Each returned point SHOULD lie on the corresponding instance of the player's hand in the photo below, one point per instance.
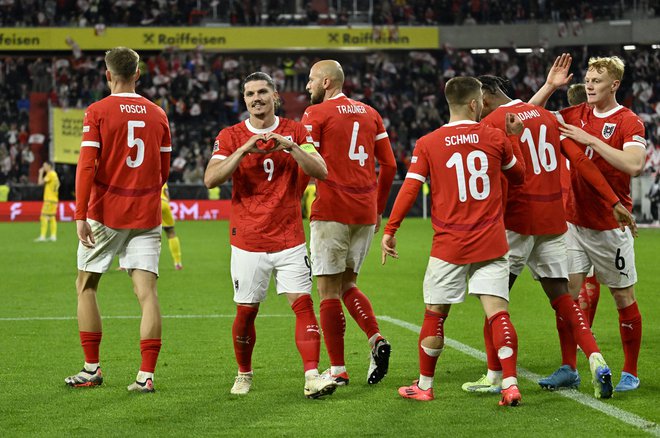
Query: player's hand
(388, 248)
(250, 146)
(575, 133)
(281, 143)
(559, 75)
(625, 218)
(379, 220)
(85, 234)
(514, 126)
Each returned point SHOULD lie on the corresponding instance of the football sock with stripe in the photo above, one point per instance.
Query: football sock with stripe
(571, 314)
(505, 341)
(359, 306)
(432, 327)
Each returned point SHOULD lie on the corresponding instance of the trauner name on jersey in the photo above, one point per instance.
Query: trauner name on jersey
(351, 109)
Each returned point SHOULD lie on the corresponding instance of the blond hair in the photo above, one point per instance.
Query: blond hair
(612, 64)
(122, 61)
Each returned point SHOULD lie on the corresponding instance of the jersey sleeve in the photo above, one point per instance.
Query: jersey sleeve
(302, 136)
(385, 157)
(634, 133)
(416, 176)
(568, 115)
(91, 136)
(588, 170)
(313, 125)
(90, 149)
(513, 168)
(165, 150)
(223, 146)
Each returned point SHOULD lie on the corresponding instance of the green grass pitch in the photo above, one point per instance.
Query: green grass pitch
(39, 346)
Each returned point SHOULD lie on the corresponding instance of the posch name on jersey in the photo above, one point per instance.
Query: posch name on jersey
(351, 109)
(133, 109)
(453, 140)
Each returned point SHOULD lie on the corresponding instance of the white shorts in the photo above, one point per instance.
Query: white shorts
(336, 247)
(545, 255)
(136, 248)
(610, 252)
(251, 272)
(446, 283)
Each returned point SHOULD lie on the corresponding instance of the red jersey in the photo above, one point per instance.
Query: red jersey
(620, 128)
(124, 161)
(350, 136)
(464, 161)
(266, 211)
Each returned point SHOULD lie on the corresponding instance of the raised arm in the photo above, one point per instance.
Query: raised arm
(558, 76)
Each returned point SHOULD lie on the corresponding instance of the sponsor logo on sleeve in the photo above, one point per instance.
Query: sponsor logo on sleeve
(413, 160)
(608, 130)
(216, 146)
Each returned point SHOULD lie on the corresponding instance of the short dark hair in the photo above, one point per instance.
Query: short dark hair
(493, 84)
(259, 76)
(576, 94)
(460, 90)
(122, 62)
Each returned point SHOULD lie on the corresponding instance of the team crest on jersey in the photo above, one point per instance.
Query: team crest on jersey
(608, 130)
(216, 146)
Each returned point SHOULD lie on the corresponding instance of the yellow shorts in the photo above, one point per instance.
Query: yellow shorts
(49, 208)
(168, 219)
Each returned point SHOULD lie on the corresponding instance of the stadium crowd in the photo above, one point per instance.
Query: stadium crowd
(282, 12)
(200, 93)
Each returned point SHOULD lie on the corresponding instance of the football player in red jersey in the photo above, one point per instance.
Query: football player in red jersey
(613, 137)
(347, 211)
(535, 222)
(270, 160)
(124, 161)
(465, 161)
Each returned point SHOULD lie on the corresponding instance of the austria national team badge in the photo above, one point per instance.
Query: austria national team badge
(608, 130)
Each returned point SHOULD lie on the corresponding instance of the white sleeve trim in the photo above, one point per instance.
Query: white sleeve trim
(94, 144)
(166, 148)
(416, 176)
(559, 116)
(381, 136)
(511, 164)
(218, 157)
(562, 137)
(633, 143)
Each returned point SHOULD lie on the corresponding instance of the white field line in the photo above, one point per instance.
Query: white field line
(612, 411)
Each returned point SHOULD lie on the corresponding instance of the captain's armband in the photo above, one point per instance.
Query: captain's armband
(307, 147)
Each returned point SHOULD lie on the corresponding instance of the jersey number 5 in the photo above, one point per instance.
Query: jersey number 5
(135, 141)
(456, 160)
(360, 155)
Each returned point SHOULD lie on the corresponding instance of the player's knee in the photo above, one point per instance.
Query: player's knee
(623, 297)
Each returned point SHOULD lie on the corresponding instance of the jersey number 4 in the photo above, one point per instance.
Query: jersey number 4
(456, 160)
(135, 141)
(357, 155)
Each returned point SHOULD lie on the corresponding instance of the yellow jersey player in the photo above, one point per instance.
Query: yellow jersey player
(168, 227)
(48, 178)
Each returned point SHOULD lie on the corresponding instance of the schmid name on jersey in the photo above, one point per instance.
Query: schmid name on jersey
(453, 140)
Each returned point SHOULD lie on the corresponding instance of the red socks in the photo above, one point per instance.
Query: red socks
(505, 341)
(149, 348)
(566, 342)
(308, 336)
(588, 298)
(90, 342)
(244, 335)
(433, 326)
(576, 321)
(630, 327)
(333, 324)
(359, 306)
(491, 352)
